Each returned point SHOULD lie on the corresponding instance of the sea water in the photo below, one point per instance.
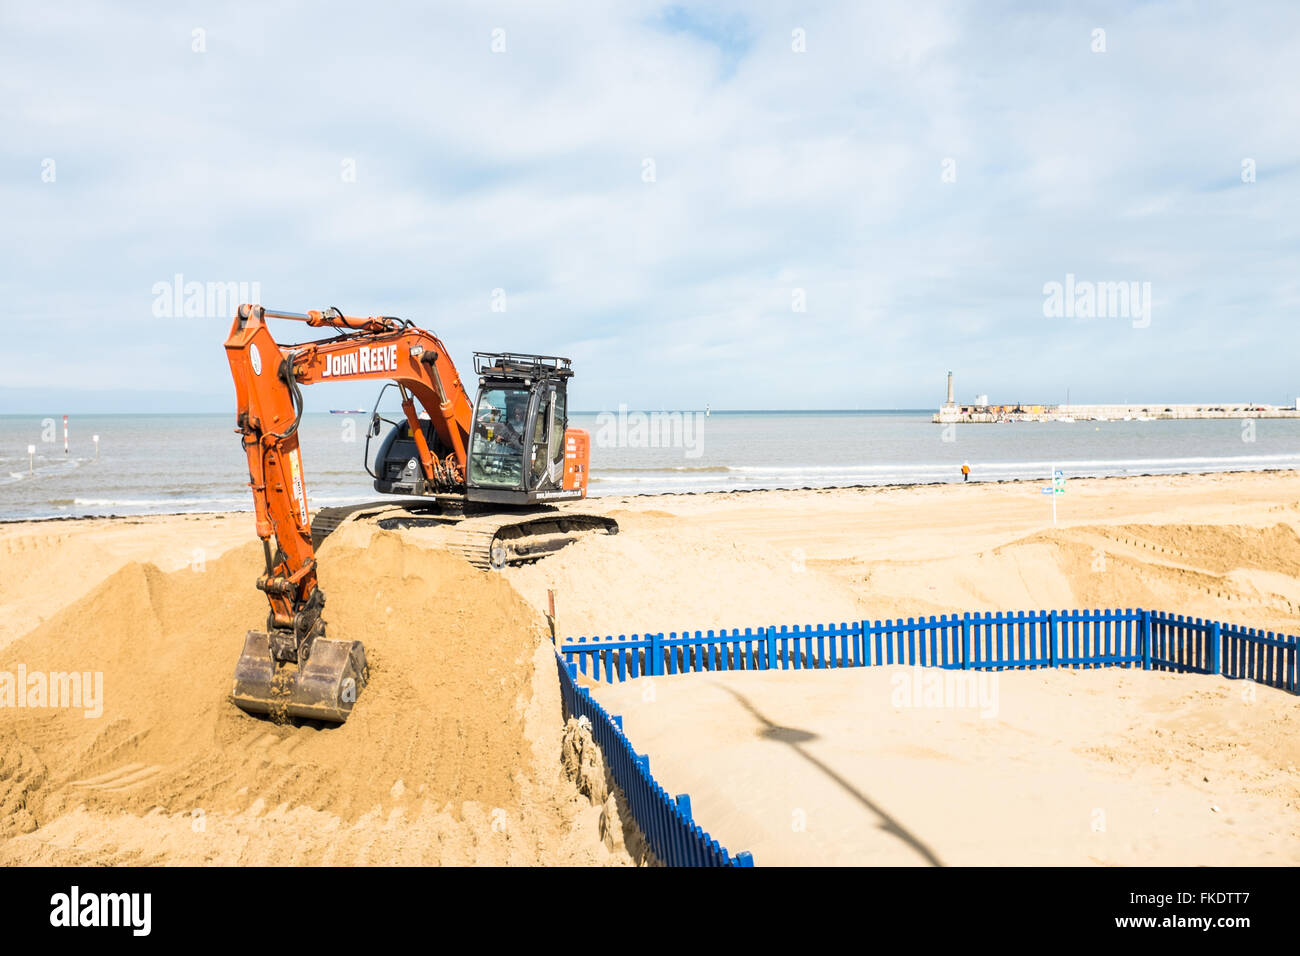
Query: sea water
(188, 463)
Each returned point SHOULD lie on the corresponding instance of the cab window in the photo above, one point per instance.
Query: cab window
(540, 426)
(559, 425)
(496, 454)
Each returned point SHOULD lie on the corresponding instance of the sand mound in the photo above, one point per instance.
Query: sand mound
(38, 568)
(459, 727)
(1237, 573)
(45, 566)
(1217, 548)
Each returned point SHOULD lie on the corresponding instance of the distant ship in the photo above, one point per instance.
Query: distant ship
(347, 411)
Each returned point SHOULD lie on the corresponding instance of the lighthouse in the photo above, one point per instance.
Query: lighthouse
(949, 412)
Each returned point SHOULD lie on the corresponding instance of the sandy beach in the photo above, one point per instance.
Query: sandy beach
(453, 754)
(1208, 545)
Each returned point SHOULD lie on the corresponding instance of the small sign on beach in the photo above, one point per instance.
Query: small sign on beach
(1057, 487)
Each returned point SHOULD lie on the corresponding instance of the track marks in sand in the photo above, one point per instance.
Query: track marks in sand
(22, 775)
(120, 778)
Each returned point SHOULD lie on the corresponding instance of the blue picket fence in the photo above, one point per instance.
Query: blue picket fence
(674, 838)
(1152, 640)
(1019, 640)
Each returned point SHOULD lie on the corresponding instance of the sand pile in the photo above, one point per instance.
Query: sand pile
(1238, 573)
(38, 568)
(451, 756)
(1217, 548)
(45, 566)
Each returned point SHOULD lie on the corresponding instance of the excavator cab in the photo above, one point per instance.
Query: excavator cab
(517, 447)
(521, 451)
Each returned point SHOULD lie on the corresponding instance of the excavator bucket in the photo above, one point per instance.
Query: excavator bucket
(324, 688)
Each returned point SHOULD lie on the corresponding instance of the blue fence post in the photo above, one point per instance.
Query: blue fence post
(1051, 639)
(1146, 640)
(771, 648)
(684, 804)
(657, 654)
(1214, 647)
(1292, 649)
(965, 641)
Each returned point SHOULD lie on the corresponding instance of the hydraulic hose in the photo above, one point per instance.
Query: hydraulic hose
(286, 375)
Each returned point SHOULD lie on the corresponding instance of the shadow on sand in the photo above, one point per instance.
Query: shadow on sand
(796, 738)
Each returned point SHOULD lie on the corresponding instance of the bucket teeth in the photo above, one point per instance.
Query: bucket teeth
(325, 688)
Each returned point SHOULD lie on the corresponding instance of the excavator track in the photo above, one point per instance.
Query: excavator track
(326, 520)
(487, 541)
(494, 541)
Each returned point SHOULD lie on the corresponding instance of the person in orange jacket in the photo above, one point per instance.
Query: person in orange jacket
(965, 471)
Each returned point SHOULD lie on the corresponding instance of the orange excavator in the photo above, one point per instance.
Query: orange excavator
(493, 469)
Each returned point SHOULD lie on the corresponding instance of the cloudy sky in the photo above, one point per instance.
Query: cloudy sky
(753, 205)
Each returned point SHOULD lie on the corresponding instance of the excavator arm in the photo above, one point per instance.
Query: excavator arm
(292, 669)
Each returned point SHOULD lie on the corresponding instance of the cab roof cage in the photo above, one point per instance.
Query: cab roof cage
(521, 364)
